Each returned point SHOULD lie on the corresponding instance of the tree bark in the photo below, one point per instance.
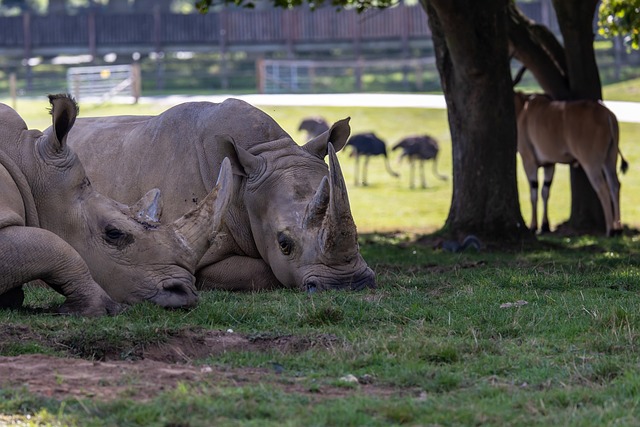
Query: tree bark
(470, 42)
(537, 48)
(575, 18)
(565, 73)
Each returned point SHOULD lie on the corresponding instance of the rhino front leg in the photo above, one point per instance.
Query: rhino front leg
(28, 253)
(237, 273)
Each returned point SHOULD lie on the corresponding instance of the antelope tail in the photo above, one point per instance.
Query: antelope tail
(624, 165)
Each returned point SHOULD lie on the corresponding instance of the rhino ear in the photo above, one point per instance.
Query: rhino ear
(149, 208)
(242, 162)
(64, 111)
(337, 135)
(225, 147)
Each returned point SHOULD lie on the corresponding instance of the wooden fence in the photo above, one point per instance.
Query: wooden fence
(239, 29)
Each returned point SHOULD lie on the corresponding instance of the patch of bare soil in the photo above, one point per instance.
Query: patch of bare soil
(188, 345)
(161, 367)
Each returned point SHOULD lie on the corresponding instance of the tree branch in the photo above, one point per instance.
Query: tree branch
(538, 50)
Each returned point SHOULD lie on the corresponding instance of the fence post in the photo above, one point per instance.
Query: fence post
(76, 88)
(26, 28)
(359, 70)
(91, 30)
(136, 81)
(419, 76)
(13, 92)
(260, 74)
(224, 78)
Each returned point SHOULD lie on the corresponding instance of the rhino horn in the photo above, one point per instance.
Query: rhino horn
(317, 207)
(149, 208)
(198, 227)
(339, 235)
(337, 135)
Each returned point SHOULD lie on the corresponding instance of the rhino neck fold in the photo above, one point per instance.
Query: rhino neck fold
(18, 177)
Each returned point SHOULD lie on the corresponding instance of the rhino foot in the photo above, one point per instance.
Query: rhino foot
(103, 306)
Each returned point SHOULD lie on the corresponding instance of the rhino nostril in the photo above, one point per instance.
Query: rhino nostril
(312, 287)
(176, 295)
(176, 288)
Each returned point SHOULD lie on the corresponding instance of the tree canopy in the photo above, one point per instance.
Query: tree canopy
(621, 18)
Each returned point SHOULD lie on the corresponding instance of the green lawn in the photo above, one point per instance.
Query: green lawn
(440, 342)
(388, 204)
(541, 335)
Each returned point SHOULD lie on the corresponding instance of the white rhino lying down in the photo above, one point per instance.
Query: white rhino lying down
(291, 224)
(55, 227)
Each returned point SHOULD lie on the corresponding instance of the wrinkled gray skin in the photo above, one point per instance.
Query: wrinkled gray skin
(291, 224)
(55, 227)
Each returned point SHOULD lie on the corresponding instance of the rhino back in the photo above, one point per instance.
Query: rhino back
(176, 151)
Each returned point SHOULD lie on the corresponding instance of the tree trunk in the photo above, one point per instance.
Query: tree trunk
(538, 49)
(575, 18)
(565, 73)
(470, 42)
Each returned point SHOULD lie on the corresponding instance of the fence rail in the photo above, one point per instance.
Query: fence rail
(307, 76)
(104, 82)
(95, 33)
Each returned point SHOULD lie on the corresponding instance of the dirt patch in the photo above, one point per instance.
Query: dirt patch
(152, 369)
(141, 380)
(188, 345)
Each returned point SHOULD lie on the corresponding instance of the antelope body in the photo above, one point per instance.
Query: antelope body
(570, 132)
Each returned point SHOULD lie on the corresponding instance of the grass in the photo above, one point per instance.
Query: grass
(388, 204)
(432, 345)
(433, 337)
(628, 90)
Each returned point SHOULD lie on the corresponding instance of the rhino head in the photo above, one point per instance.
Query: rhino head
(129, 253)
(300, 215)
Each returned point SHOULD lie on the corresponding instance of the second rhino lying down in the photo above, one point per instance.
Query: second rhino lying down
(55, 227)
(290, 223)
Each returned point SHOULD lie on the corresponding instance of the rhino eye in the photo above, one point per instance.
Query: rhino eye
(285, 243)
(116, 237)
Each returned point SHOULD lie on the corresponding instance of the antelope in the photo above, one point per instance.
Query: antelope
(420, 148)
(583, 133)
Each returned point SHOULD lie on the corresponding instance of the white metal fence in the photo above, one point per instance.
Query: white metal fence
(307, 76)
(101, 83)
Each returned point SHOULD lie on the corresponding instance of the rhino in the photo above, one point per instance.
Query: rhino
(98, 253)
(290, 224)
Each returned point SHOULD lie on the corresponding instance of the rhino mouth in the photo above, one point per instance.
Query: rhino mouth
(175, 294)
(357, 282)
